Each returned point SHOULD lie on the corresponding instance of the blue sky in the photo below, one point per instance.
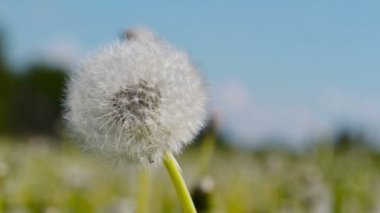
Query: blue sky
(292, 68)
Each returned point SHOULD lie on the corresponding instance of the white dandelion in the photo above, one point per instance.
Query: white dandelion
(138, 100)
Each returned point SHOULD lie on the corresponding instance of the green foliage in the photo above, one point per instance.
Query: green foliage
(7, 83)
(40, 178)
(30, 102)
(35, 103)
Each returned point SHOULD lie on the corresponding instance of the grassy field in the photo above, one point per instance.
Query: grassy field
(36, 177)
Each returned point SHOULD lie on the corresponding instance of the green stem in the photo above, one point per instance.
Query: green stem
(206, 152)
(143, 191)
(174, 171)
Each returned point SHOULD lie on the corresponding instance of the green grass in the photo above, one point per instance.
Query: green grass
(40, 178)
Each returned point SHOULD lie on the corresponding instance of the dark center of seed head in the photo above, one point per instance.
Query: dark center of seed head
(136, 102)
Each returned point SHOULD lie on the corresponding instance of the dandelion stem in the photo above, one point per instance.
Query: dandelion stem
(175, 174)
(143, 191)
(207, 150)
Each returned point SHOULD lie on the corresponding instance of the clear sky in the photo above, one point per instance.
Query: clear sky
(286, 68)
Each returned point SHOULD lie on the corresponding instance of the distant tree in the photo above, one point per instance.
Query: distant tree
(30, 101)
(36, 101)
(6, 85)
(347, 139)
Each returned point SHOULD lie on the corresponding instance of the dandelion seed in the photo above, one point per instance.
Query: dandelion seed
(136, 99)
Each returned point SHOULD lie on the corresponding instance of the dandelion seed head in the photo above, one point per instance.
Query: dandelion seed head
(136, 99)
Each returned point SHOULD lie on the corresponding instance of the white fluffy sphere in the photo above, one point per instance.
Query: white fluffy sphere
(136, 99)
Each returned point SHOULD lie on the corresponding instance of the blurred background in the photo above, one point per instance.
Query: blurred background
(295, 106)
